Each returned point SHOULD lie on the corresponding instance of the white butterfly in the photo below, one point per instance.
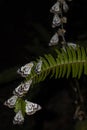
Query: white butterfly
(11, 101)
(38, 67)
(22, 88)
(54, 40)
(56, 21)
(18, 119)
(25, 70)
(65, 7)
(31, 108)
(69, 44)
(73, 45)
(55, 8)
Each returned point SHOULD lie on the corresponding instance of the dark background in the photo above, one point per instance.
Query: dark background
(26, 23)
(25, 31)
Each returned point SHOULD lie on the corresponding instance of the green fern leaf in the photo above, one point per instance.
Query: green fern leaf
(69, 54)
(69, 61)
(80, 65)
(64, 54)
(84, 56)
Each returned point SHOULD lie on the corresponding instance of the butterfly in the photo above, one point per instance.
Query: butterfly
(31, 108)
(18, 119)
(38, 67)
(54, 40)
(73, 45)
(11, 101)
(65, 6)
(55, 8)
(56, 21)
(22, 88)
(25, 70)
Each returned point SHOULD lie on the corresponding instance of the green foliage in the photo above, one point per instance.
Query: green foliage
(64, 62)
(20, 105)
(81, 125)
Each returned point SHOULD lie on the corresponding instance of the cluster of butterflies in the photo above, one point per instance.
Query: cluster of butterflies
(25, 70)
(30, 108)
(21, 90)
(58, 19)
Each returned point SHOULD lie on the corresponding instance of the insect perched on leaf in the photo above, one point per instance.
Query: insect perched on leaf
(55, 8)
(38, 67)
(54, 40)
(56, 21)
(65, 6)
(25, 70)
(18, 119)
(31, 108)
(11, 101)
(22, 88)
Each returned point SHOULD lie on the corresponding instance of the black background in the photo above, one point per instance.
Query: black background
(16, 26)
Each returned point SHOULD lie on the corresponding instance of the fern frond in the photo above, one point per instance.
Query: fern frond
(66, 62)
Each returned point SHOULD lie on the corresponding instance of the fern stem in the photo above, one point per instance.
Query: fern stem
(62, 26)
(52, 68)
(79, 92)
